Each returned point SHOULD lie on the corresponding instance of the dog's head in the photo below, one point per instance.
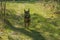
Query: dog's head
(26, 11)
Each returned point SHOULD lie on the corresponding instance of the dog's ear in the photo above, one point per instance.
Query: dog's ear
(24, 10)
(28, 10)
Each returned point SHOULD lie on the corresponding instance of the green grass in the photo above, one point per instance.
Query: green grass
(43, 26)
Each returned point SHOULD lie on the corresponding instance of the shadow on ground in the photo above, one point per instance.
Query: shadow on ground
(34, 34)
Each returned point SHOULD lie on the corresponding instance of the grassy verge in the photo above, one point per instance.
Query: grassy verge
(44, 23)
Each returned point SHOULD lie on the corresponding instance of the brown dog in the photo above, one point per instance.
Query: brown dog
(27, 17)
